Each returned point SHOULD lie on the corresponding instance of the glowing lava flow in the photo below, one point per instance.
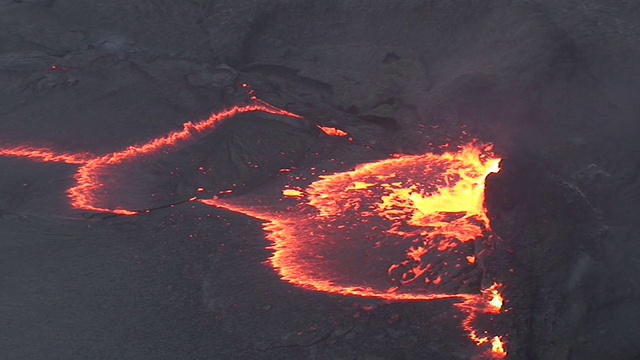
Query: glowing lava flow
(406, 228)
(86, 193)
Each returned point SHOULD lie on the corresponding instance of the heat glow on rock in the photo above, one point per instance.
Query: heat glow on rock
(412, 227)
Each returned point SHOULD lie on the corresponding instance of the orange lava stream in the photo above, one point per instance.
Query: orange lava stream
(46, 155)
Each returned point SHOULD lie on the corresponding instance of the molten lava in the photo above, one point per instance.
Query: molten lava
(406, 228)
(422, 209)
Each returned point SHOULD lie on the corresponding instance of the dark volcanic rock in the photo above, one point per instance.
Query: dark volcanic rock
(550, 235)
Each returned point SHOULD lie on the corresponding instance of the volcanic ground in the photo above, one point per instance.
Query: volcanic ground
(319, 180)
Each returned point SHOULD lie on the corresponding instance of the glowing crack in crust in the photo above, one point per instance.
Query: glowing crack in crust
(398, 229)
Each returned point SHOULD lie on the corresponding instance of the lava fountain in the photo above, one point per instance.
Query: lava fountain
(412, 227)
